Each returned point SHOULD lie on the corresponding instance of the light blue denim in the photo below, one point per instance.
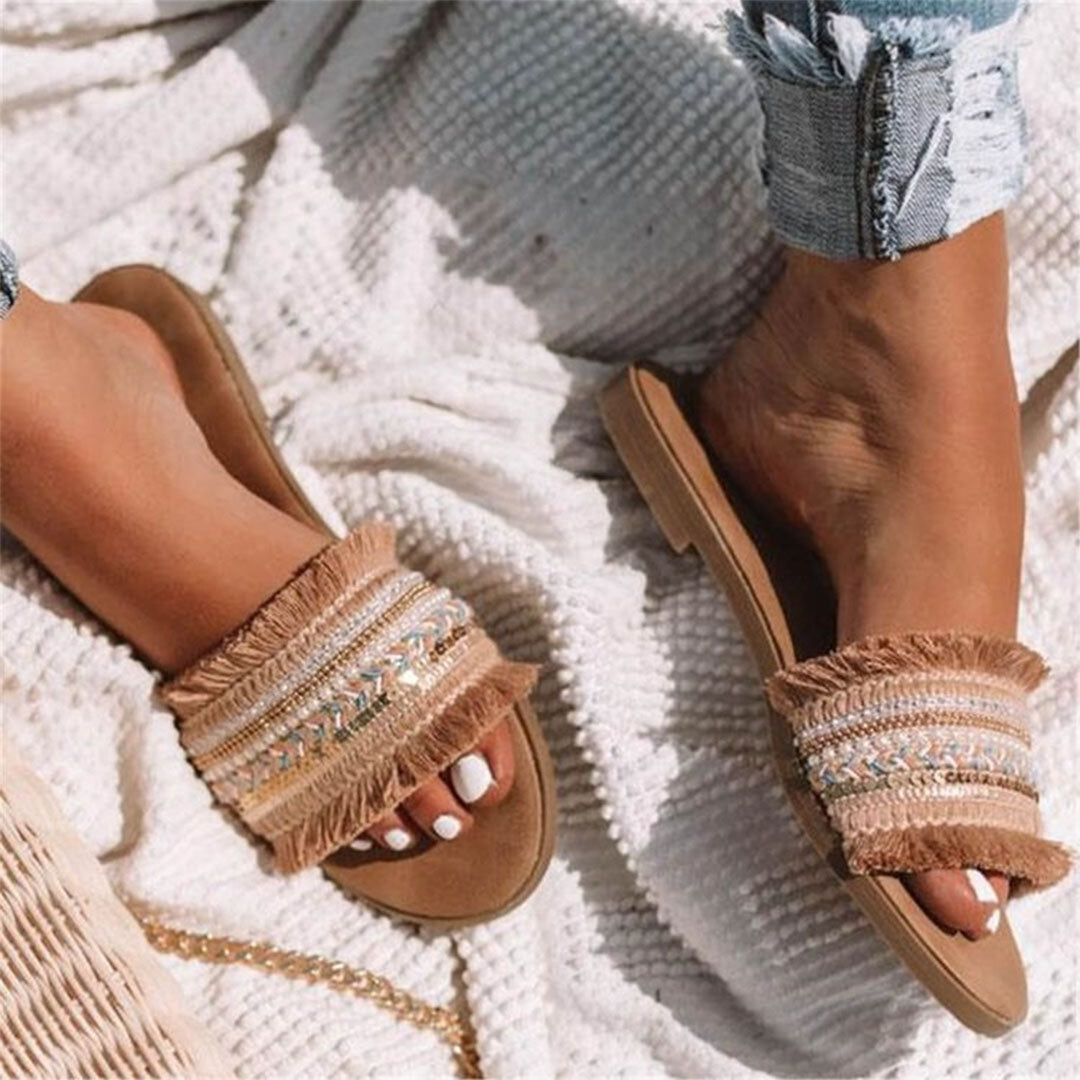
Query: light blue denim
(888, 125)
(9, 278)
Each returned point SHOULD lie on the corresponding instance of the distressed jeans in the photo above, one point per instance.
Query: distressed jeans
(888, 124)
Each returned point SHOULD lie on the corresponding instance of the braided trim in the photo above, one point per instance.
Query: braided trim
(326, 675)
(226, 718)
(274, 804)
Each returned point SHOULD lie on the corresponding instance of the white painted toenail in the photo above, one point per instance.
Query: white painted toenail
(471, 777)
(361, 843)
(397, 839)
(981, 887)
(994, 921)
(446, 826)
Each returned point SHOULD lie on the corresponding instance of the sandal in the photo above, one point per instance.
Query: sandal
(353, 685)
(898, 754)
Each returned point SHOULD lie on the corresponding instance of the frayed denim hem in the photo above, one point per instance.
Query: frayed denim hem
(9, 278)
(879, 141)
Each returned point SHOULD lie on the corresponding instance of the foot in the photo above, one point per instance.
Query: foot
(872, 408)
(108, 480)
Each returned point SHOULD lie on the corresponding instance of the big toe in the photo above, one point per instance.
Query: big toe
(484, 776)
(965, 900)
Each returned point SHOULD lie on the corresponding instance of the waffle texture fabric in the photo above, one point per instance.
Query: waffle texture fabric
(435, 232)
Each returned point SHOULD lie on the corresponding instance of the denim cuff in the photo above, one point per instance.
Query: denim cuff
(878, 141)
(9, 278)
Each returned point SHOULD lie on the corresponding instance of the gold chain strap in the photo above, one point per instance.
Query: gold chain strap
(306, 967)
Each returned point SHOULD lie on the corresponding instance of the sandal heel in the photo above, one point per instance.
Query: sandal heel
(622, 417)
(667, 516)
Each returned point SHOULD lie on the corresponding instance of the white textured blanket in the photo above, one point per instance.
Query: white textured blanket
(434, 232)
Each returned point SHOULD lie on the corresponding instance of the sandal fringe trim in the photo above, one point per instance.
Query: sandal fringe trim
(353, 685)
(1029, 861)
(905, 654)
(918, 746)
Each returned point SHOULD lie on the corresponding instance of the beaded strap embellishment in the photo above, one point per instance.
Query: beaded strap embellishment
(919, 749)
(353, 685)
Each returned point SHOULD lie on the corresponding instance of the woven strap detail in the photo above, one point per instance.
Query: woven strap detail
(919, 749)
(352, 686)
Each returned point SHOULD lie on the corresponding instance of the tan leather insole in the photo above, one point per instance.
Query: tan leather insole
(786, 609)
(489, 869)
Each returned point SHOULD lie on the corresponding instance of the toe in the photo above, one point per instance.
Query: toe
(484, 776)
(435, 810)
(392, 831)
(964, 900)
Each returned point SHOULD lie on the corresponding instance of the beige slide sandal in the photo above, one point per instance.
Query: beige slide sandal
(296, 723)
(897, 754)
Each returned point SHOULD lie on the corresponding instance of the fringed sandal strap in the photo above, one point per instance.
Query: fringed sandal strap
(354, 684)
(918, 746)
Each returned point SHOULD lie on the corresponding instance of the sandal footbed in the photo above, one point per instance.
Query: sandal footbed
(501, 860)
(484, 872)
(785, 606)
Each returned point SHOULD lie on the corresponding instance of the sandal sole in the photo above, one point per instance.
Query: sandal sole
(982, 983)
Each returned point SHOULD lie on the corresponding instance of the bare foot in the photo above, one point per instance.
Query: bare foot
(872, 408)
(108, 480)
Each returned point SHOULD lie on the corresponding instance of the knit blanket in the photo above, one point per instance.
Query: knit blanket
(434, 232)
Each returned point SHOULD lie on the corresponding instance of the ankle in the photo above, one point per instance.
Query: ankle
(905, 359)
(959, 283)
(872, 407)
